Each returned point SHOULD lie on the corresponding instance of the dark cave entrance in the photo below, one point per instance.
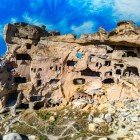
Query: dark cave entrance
(108, 81)
(131, 71)
(11, 99)
(19, 80)
(129, 54)
(119, 65)
(54, 81)
(118, 72)
(39, 82)
(89, 72)
(71, 63)
(97, 64)
(107, 63)
(35, 98)
(28, 46)
(23, 57)
(38, 105)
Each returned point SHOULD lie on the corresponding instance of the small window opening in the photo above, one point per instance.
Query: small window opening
(92, 58)
(107, 74)
(54, 81)
(39, 82)
(107, 63)
(60, 68)
(34, 70)
(110, 51)
(71, 63)
(28, 46)
(51, 68)
(19, 80)
(120, 65)
(79, 81)
(97, 64)
(118, 72)
(108, 81)
(56, 68)
(40, 69)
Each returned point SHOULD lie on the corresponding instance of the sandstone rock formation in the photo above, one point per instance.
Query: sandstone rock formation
(46, 69)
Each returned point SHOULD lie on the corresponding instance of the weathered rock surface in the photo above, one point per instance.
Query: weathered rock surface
(46, 69)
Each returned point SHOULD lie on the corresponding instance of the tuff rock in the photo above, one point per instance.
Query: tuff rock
(46, 69)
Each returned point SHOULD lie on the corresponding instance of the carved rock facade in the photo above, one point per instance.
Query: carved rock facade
(46, 69)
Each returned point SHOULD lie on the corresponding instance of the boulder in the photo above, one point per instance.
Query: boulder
(92, 127)
(52, 119)
(12, 136)
(90, 117)
(98, 120)
(108, 118)
(33, 137)
(79, 103)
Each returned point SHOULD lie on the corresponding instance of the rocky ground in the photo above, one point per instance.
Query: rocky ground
(118, 120)
(59, 87)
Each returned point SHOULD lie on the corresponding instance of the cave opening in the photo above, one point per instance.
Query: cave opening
(23, 106)
(54, 81)
(79, 81)
(109, 73)
(39, 82)
(131, 71)
(23, 57)
(19, 80)
(71, 63)
(89, 72)
(40, 69)
(129, 54)
(97, 64)
(35, 98)
(28, 46)
(38, 105)
(119, 65)
(118, 72)
(110, 51)
(11, 99)
(107, 63)
(108, 81)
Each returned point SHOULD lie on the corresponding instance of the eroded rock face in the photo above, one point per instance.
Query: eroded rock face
(46, 69)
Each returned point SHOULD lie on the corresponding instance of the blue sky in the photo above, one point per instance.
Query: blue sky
(68, 16)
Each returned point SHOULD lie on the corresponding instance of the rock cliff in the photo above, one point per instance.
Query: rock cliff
(46, 69)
